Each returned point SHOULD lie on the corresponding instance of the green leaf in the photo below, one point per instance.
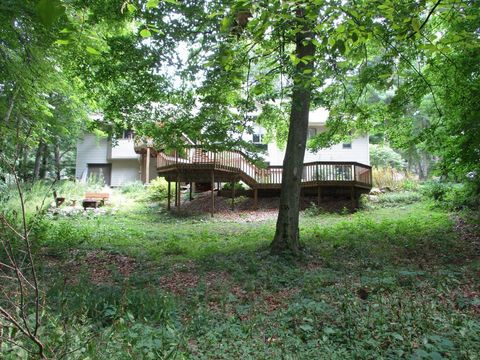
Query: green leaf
(151, 4)
(145, 33)
(92, 51)
(415, 25)
(62, 42)
(295, 60)
(340, 45)
(131, 8)
(175, 2)
(49, 11)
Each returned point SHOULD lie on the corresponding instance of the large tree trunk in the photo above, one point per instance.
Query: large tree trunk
(287, 233)
(38, 160)
(43, 168)
(58, 164)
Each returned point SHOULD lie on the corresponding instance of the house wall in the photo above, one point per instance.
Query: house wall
(124, 149)
(90, 150)
(94, 150)
(125, 171)
(358, 153)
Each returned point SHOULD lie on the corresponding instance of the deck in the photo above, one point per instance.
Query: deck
(195, 165)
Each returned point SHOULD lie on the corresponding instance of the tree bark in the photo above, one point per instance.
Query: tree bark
(43, 167)
(38, 160)
(287, 233)
(11, 104)
(58, 158)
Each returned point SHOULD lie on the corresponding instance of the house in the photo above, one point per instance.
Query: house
(355, 151)
(341, 170)
(115, 162)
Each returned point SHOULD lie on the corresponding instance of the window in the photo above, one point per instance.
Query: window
(312, 132)
(257, 138)
(127, 135)
(347, 145)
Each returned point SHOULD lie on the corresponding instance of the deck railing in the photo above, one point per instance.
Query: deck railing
(313, 172)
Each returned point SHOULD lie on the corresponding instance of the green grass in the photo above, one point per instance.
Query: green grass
(391, 282)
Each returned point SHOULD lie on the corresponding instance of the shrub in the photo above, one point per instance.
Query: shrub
(452, 196)
(384, 156)
(158, 189)
(238, 186)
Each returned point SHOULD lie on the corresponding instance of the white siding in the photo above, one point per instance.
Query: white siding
(125, 171)
(90, 150)
(124, 149)
(358, 153)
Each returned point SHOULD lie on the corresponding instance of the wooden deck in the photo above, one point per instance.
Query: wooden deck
(195, 165)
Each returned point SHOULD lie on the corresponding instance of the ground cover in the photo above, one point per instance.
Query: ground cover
(400, 281)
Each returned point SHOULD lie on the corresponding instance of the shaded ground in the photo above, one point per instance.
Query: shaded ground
(244, 206)
(397, 282)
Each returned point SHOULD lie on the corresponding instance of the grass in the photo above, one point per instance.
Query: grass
(391, 282)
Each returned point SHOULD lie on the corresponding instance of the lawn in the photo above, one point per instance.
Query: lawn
(391, 282)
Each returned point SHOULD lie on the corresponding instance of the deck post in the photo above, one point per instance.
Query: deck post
(177, 187)
(212, 206)
(147, 167)
(319, 195)
(255, 198)
(233, 194)
(190, 195)
(352, 197)
(168, 194)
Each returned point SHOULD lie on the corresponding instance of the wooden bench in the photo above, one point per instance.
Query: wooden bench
(94, 200)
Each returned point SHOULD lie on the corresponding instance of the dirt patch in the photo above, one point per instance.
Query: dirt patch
(244, 211)
(469, 234)
(186, 277)
(100, 266)
(280, 299)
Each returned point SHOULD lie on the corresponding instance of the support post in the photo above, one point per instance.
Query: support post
(168, 194)
(352, 197)
(177, 189)
(255, 198)
(212, 205)
(190, 195)
(147, 167)
(233, 195)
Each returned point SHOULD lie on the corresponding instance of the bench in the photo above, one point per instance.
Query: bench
(94, 200)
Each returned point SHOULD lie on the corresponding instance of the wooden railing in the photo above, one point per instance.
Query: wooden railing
(313, 172)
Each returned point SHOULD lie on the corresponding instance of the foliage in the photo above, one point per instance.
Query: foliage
(158, 189)
(393, 179)
(391, 199)
(237, 185)
(118, 286)
(385, 157)
(132, 188)
(453, 196)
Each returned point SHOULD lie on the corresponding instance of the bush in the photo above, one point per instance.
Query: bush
(158, 189)
(452, 196)
(384, 156)
(238, 186)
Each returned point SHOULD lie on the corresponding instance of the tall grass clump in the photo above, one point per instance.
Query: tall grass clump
(394, 179)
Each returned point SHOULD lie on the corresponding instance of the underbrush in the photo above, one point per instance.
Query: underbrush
(390, 199)
(396, 281)
(453, 196)
(394, 179)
